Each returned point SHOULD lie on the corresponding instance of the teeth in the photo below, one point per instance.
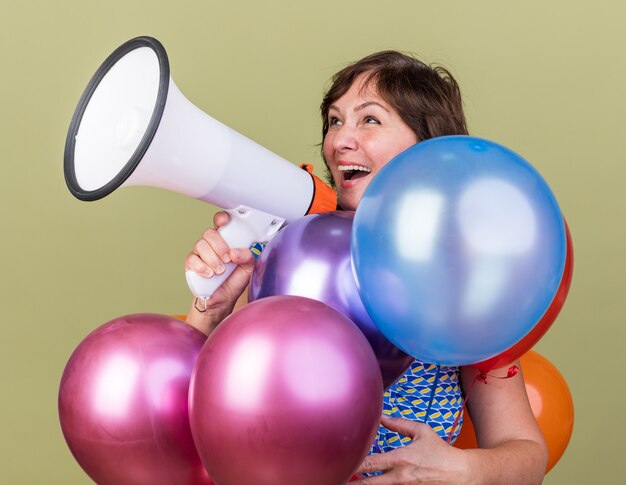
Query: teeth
(345, 168)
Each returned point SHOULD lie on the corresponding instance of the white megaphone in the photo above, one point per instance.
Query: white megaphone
(132, 126)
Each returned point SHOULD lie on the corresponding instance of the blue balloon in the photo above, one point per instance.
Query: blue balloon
(458, 247)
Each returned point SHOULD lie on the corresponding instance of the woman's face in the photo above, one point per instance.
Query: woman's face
(364, 133)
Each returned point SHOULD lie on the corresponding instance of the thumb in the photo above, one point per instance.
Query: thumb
(243, 257)
(238, 280)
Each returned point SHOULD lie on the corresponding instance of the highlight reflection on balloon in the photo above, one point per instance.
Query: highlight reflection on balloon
(458, 247)
(311, 258)
(551, 403)
(123, 402)
(286, 390)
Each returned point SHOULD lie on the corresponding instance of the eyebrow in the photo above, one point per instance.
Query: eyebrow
(360, 107)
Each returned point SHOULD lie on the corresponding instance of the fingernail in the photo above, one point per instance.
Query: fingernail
(208, 273)
(226, 258)
(237, 253)
(219, 269)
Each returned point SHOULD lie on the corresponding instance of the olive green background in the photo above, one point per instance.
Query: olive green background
(546, 79)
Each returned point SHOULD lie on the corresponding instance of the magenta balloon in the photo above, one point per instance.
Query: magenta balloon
(311, 257)
(286, 391)
(123, 402)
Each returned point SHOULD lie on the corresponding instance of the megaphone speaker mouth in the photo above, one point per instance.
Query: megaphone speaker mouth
(116, 118)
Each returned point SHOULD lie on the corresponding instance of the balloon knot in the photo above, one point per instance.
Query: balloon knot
(512, 372)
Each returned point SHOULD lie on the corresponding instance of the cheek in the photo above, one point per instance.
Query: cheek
(386, 151)
(380, 153)
(408, 139)
(327, 146)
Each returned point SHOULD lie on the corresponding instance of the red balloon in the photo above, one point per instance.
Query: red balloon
(516, 351)
(123, 402)
(551, 403)
(286, 390)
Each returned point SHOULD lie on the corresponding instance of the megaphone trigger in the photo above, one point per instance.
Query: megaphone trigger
(245, 227)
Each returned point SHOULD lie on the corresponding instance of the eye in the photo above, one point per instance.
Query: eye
(334, 121)
(371, 120)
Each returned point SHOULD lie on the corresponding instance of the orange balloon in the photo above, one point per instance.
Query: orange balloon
(180, 317)
(550, 401)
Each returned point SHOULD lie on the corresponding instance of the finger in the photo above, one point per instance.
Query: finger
(390, 478)
(377, 462)
(208, 255)
(236, 283)
(405, 427)
(217, 243)
(242, 256)
(400, 476)
(195, 264)
(384, 479)
(220, 219)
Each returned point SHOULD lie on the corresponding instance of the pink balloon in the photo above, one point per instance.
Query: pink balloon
(123, 402)
(287, 390)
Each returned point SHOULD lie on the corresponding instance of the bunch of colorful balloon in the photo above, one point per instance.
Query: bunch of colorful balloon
(461, 253)
(286, 390)
(461, 256)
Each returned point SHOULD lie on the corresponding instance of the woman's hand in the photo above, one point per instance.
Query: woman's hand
(512, 449)
(427, 459)
(209, 256)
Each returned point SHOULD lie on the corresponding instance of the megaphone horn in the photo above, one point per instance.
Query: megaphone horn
(132, 126)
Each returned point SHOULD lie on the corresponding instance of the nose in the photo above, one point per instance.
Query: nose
(345, 139)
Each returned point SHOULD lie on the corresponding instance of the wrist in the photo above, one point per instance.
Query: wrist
(466, 470)
(205, 319)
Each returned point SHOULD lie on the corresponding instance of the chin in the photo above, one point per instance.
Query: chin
(350, 200)
(347, 205)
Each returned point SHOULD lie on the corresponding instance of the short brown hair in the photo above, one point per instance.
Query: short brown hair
(427, 98)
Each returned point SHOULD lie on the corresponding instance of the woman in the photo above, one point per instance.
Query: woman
(374, 109)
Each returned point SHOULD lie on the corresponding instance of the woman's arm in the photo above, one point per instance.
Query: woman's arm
(207, 320)
(512, 450)
(511, 447)
(208, 257)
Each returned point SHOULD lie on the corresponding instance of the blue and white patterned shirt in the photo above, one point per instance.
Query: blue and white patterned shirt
(427, 393)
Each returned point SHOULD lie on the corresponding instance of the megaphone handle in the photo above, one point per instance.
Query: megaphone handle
(245, 227)
(203, 287)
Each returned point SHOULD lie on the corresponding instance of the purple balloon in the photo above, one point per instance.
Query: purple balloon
(311, 258)
(285, 391)
(123, 402)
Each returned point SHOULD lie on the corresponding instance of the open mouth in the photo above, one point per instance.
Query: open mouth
(354, 172)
